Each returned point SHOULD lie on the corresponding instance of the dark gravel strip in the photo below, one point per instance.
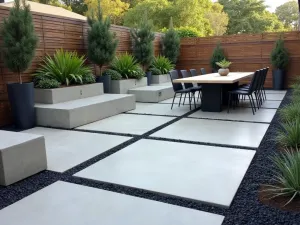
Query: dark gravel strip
(246, 208)
(174, 200)
(148, 114)
(200, 143)
(106, 132)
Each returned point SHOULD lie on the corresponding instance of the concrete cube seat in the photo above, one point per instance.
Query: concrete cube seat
(79, 112)
(154, 94)
(21, 155)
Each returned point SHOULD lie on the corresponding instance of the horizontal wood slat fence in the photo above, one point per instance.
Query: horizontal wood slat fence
(54, 33)
(247, 52)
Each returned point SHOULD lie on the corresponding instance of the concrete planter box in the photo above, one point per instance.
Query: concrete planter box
(159, 79)
(122, 86)
(57, 95)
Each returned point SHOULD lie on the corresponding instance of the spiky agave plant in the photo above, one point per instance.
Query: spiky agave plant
(286, 176)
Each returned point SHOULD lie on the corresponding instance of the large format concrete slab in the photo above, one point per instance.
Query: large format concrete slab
(215, 131)
(152, 93)
(21, 155)
(275, 91)
(71, 204)
(127, 123)
(185, 170)
(66, 149)
(275, 96)
(52, 96)
(266, 104)
(161, 109)
(83, 111)
(240, 113)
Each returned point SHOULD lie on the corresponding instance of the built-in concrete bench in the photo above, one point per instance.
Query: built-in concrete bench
(153, 93)
(83, 111)
(21, 155)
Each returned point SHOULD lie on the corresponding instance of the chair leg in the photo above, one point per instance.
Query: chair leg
(229, 100)
(173, 101)
(257, 100)
(194, 100)
(190, 101)
(180, 99)
(184, 99)
(198, 96)
(265, 93)
(251, 103)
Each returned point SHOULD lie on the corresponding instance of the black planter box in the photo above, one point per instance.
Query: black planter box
(106, 80)
(278, 79)
(21, 98)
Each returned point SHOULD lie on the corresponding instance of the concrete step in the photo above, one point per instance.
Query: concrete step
(83, 111)
(154, 93)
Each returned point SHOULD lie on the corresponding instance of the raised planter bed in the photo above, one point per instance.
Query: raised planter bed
(159, 79)
(122, 86)
(57, 95)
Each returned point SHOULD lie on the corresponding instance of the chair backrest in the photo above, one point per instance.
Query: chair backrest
(203, 71)
(193, 72)
(186, 74)
(255, 81)
(174, 75)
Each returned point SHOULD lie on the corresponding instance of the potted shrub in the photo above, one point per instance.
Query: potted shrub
(102, 45)
(19, 44)
(131, 73)
(160, 68)
(143, 49)
(217, 56)
(171, 44)
(280, 60)
(224, 65)
(61, 77)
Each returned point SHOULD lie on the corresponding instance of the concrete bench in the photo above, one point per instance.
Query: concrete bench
(21, 155)
(152, 93)
(79, 112)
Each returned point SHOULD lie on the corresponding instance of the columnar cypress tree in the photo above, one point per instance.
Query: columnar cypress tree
(102, 43)
(19, 38)
(143, 48)
(280, 55)
(171, 44)
(218, 55)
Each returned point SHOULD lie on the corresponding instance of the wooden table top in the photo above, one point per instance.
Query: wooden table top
(215, 78)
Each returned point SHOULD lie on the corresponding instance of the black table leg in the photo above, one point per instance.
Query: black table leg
(211, 98)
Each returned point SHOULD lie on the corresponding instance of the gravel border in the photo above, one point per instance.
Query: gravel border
(244, 210)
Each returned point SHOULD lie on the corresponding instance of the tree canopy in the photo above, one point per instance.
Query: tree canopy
(288, 14)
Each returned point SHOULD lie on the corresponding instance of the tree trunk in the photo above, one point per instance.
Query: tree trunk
(100, 67)
(20, 77)
(299, 15)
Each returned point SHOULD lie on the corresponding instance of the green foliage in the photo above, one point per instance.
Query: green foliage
(56, 3)
(64, 67)
(155, 71)
(218, 55)
(102, 43)
(250, 16)
(287, 174)
(184, 32)
(279, 55)
(224, 64)
(115, 75)
(143, 48)
(163, 64)
(138, 73)
(47, 84)
(171, 44)
(88, 79)
(19, 38)
(288, 14)
(126, 65)
(289, 135)
(290, 112)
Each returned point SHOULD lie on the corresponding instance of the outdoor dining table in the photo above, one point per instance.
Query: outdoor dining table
(215, 88)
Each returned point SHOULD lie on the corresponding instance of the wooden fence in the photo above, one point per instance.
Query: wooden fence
(54, 33)
(247, 52)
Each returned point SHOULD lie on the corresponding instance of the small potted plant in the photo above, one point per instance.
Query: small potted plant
(280, 60)
(218, 55)
(224, 65)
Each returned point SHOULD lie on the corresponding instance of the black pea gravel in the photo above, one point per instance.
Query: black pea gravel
(245, 209)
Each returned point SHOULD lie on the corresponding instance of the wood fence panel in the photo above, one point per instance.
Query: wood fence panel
(56, 32)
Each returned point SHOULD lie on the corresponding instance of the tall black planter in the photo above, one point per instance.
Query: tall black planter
(21, 98)
(149, 77)
(278, 79)
(106, 80)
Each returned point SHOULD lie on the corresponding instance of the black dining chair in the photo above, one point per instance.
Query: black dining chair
(178, 88)
(186, 74)
(194, 73)
(203, 71)
(246, 92)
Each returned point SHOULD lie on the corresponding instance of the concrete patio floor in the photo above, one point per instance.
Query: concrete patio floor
(124, 169)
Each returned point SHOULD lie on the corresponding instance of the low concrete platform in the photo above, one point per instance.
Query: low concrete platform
(152, 93)
(159, 79)
(21, 155)
(83, 111)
